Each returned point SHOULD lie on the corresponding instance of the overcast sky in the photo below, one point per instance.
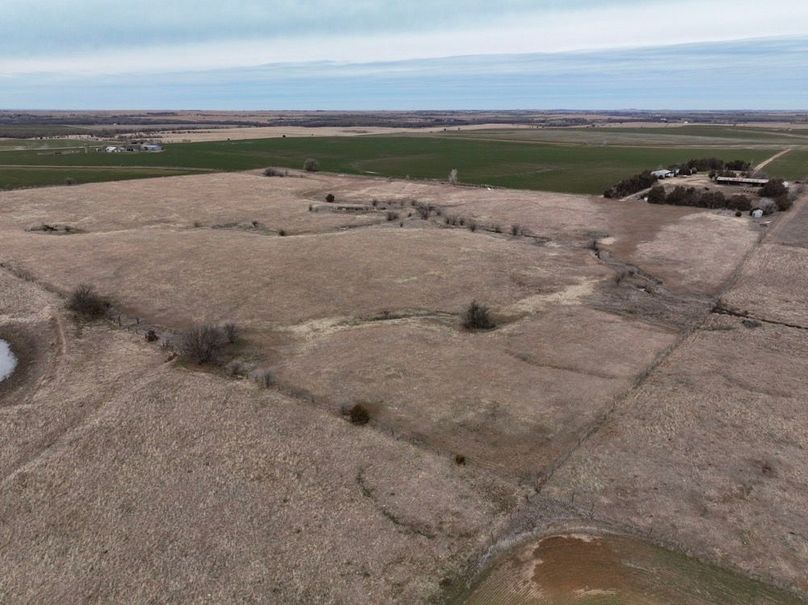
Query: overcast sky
(193, 46)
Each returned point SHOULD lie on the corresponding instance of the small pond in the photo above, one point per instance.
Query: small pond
(7, 360)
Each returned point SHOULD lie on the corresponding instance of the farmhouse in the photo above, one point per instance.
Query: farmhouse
(740, 180)
(134, 147)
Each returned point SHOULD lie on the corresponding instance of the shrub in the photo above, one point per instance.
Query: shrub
(460, 460)
(311, 165)
(282, 232)
(151, 336)
(392, 216)
(70, 181)
(230, 332)
(739, 202)
(424, 210)
(359, 414)
(86, 302)
(275, 172)
(263, 378)
(784, 203)
(330, 198)
(478, 317)
(472, 226)
(201, 344)
(236, 368)
(516, 230)
(497, 229)
(656, 195)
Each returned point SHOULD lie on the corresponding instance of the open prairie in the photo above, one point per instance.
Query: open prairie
(599, 399)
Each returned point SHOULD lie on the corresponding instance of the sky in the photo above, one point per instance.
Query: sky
(404, 54)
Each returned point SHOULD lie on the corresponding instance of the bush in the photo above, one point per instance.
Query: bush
(275, 172)
(392, 216)
(472, 226)
(424, 210)
(784, 203)
(478, 317)
(359, 414)
(739, 202)
(230, 331)
(460, 459)
(151, 336)
(516, 230)
(311, 165)
(86, 302)
(330, 198)
(201, 344)
(236, 368)
(656, 195)
(263, 378)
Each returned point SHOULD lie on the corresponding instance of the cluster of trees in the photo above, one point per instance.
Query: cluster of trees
(690, 196)
(631, 185)
(776, 189)
(714, 165)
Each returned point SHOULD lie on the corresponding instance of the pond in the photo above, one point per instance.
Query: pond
(586, 569)
(7, 360)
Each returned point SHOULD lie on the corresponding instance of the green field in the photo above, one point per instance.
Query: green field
(670, 136)
(17, 177)
(521, 165)
(793, 165)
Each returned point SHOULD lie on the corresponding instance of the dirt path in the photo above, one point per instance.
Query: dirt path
(776, 156)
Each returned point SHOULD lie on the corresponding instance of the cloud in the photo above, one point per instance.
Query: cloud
(186, 36)
(755, 74)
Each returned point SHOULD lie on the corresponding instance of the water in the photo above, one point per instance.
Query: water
(7, 360)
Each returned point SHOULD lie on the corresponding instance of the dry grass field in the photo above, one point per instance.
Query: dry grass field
(600, 396)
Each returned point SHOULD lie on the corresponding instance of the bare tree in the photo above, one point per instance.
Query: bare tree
(453, 177)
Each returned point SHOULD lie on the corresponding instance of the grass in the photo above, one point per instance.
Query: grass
(793, 165)
(645, 137)
(572, 169)
(23, 176)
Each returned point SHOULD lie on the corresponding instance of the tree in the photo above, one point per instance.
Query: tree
(311, 165)
(453, 176)
(774, 189)
(656, 195)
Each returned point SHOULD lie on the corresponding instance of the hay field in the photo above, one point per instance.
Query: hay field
(129, 475)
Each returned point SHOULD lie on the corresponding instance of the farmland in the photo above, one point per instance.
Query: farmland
(548, 166)
(246, 478)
